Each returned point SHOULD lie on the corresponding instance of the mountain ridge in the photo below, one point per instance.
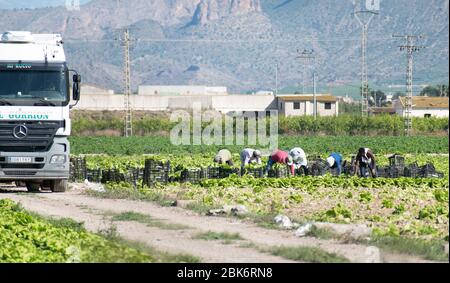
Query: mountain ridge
(237, 43)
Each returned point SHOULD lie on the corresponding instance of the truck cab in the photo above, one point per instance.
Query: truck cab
(35, 101)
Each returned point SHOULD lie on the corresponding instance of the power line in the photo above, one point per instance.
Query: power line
(410, 48)
(262, 40)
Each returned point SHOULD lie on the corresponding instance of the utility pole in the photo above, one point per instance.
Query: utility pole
(127, 80)
(364, 17)
(306, 56)
(410, 48)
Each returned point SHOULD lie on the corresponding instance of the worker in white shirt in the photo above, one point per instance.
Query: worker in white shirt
(249, 156)
(299, 158)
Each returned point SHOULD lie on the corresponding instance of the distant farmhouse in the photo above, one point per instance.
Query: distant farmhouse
(301, 105)
(424, 106)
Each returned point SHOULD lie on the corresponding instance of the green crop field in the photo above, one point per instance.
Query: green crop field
(311, 145)
(409, 207)
(28, 238)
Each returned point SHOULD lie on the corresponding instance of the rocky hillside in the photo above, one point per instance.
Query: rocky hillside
(213, 10)
(238, 42)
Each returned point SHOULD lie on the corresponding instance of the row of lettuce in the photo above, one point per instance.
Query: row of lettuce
(29, 238)
(123, 163)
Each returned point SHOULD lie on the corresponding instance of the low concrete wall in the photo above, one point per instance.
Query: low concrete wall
(181, 90)
(223, 103)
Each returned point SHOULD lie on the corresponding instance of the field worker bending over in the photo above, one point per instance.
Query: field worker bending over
(282, 157)
(249, 156)
(335, 161)
(299, 158)
(365, 160)
(224, 156)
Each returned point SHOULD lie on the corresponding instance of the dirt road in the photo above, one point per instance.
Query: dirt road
(176, 228)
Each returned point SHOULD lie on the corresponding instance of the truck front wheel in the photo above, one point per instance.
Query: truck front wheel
(58, 186)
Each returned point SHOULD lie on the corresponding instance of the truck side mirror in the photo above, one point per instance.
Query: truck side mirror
(76, 87)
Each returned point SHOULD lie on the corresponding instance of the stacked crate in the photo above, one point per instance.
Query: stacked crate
(300, 172)
(348, 167)
(318, 167)
(227, 172)
(334, 171)
(279, 172)
(154, 172)
(255, 172)
(396, 167)
(94, 175)
(112, 175)
(412, 170)
(382, 172)
(134, 175)
(429, 171)
(212, 173)
(192, 175)
(77, 169)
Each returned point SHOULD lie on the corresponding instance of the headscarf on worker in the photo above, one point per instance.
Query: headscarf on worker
(335, 161)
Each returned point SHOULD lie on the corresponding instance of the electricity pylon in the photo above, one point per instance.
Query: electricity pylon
(410, 48)
(127, 84)
(364, 18)
(307, 56)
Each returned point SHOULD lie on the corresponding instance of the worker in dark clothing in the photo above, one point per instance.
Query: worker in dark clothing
(365, 160)
(335, 161)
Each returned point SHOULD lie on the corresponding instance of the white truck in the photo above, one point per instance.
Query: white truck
(34, 110)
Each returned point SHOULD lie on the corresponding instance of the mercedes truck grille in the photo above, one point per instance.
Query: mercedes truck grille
(22, 166)
(21, 136)
(19, 173)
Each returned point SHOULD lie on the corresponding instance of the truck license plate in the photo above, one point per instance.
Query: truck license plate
(20, 160)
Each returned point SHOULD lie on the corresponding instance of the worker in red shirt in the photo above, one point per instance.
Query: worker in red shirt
(282, 157)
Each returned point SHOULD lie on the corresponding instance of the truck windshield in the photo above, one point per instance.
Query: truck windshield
(33, 88)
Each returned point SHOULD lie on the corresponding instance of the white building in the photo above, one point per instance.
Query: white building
(424, 106)
(300, 105)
